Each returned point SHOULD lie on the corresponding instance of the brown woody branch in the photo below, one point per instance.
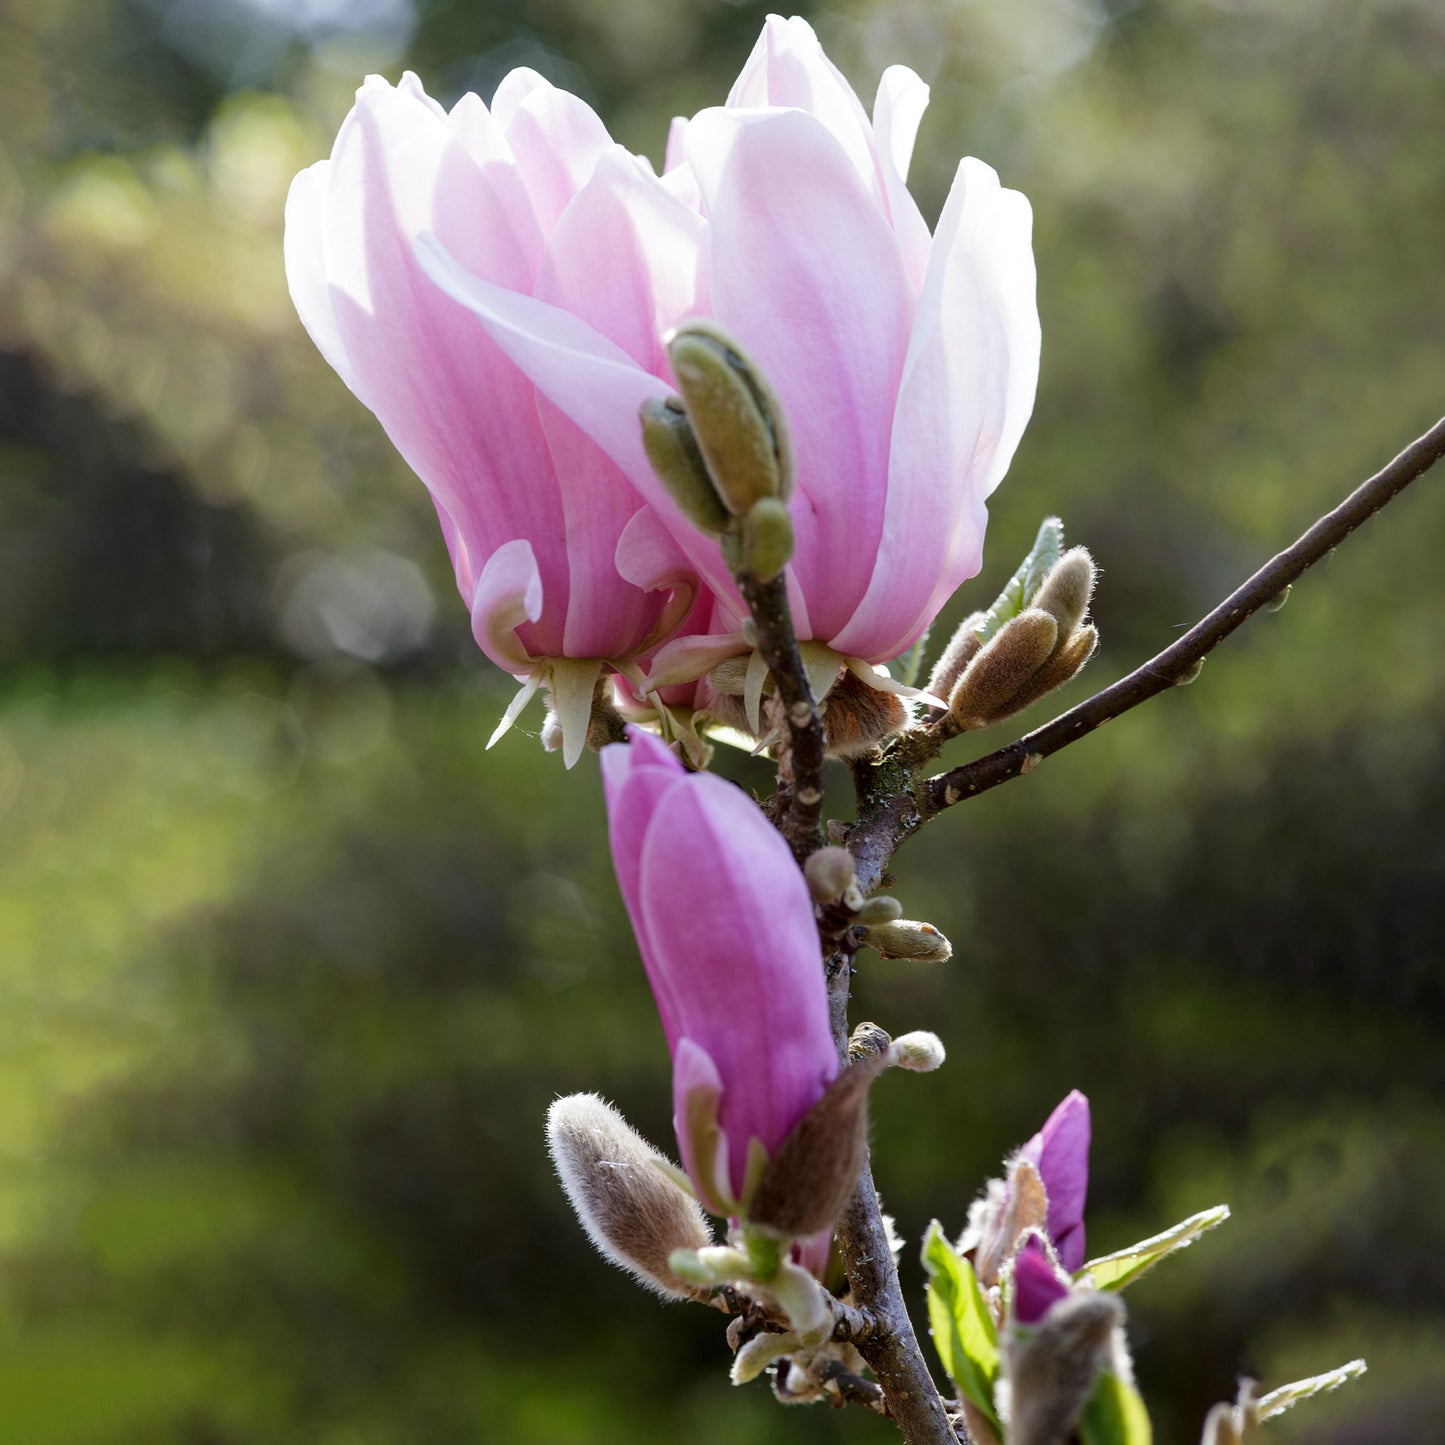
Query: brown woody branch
(1175, 663)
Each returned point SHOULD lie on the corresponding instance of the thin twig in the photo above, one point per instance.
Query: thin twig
(1175, 662)
(800, 816)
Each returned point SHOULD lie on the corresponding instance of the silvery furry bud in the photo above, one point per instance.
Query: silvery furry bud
(672, 449)
(1066, 663)
(881, 908)
(808, 1181)
(735, 416)
(908, 938)
(920, 1051)
(1053, 1368)
(829, 872)
(985, 692)
(767, 539)
(1067, 589)
(624, 1193)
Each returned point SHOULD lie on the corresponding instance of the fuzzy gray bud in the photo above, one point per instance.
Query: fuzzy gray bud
(673, 451)
(1052, 1371)
(985, 692)
(736, 418)
(908, 938)
(963, 647)
(1067, 589)
(829, 872)
(881, 908)
(1065, 664)
(624, 1193)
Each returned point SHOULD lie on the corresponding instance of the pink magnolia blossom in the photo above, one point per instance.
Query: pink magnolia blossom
(906, 362)
(1060, 1152)
(725, 926)
(562, 566)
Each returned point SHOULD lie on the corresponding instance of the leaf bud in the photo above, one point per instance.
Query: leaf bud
(985, 692)
(1053, 1368)
(736, 419)
(767, 539)
(908, 938)
(881, 908)
(829, 872)
(962, 647)
(1190, 673)
(920, 1052)
(1067, 589)
(672, 449)
(808, 1180)
(625, 1193)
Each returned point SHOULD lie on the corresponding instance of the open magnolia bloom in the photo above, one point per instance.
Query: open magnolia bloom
(562, 566)
(905, 363)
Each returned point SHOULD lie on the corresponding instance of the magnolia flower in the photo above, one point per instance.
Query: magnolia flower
(725, 926)
(906, 363)
(1037, 1287)
(563, 568)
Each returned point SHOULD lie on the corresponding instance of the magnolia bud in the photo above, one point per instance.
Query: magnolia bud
(735, 417)
(1190, 673)
(672, 449)
(624, 1193)
(1067, 589)
(808, 1181)
(985, 692)
(767, 539)
(829, 871)
(962, 647)
(908, 938)
(1052, 1369)
(1066, 663)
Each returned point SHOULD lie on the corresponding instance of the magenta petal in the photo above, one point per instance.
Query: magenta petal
(697, 1090)
(1060, 1152)
(1037, 1286)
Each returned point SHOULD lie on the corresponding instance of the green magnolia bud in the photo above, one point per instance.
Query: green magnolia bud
(908, 938)
(672, 449)
(829, 871)
(985, 692)
(625, 1194)
(767, 539)
(1067, 589)
(736, 418)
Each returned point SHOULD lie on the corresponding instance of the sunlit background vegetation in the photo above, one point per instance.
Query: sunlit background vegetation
(290, 968)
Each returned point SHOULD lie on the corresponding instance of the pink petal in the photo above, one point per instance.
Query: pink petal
(1060, 1152)
(965, 397)
(807, 272)
(902, 98)
(508, 596)
(306, 265)
(1037, 1286)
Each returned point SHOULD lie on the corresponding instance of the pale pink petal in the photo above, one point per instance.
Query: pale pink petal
(807, 273)
(966, 395)
(676, 136)
(557, 140)
(306, 265)
(508, 596)
(653, 250)
(902, 98)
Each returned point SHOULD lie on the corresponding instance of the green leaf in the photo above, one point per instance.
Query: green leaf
(963, 1328)
(1115, 1415)
(1048, 546)
(1114, 1271)
(1280, 1400)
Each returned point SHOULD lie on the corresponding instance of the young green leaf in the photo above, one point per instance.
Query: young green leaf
(1115, 1415)
(1280, 1400)
(963, 1328)
(1047, 548)
(1114, 1271)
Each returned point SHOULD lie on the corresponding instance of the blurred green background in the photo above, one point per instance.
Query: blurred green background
(290, 968)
